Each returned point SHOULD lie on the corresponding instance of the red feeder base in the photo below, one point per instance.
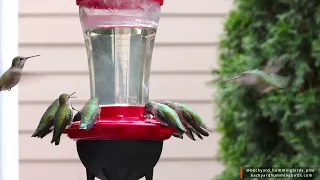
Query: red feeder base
(121, 122)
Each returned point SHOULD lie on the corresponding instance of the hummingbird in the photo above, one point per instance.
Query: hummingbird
(273, 66)
(12, 76)
(193, 118)
(89, 114)
(190, 118)
(63, 117)
(165, 115)
(45, 125)
(192, 127)
(262, 80)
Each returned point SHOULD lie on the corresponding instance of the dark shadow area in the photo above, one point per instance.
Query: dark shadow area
(119, 159)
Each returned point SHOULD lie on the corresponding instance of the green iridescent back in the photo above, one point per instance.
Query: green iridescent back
(49, 113)
(89, 109)
(170, 113)
(195, 115)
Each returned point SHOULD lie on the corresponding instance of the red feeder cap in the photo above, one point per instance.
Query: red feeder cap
(97, 5)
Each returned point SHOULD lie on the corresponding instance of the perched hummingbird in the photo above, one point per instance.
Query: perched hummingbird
(88, 114)
(190, 118)
(190, 129)
(165, 115)
(45, 125)
(13, 75)
(262, 80)
(63, 117)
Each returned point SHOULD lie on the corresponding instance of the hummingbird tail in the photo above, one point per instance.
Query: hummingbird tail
(56, 141)
(189, 133)
(205, 128)
(55, 138)
(45, 133)
(196, 132)
(35, 134)
(196, 127)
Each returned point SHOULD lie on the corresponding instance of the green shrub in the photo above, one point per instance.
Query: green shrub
(280, 128)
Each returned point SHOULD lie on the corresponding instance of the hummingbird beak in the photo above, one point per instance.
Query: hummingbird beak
(70, 96)
(237, 77)
(31, 57)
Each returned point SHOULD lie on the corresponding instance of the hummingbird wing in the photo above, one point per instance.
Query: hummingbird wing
(194, 124)
(46, 121)
(57, 134)
(171, 122)
(90, 113)
(193, 131)
(48, 129)
(194, 119)
(189, 133)
(265, 88)
(276, 80)
(189, 130)
(42, 131)
(3, 79)
(273, 66)
(92, 120)
(280, 81)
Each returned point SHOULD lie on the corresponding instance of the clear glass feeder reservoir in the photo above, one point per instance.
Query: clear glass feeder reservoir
(119, 37)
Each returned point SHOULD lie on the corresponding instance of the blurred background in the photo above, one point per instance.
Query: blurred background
(185, 51)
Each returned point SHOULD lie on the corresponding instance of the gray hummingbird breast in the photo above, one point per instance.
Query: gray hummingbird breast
(14, 79)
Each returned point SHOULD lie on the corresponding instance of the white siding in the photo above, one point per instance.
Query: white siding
(185, 51)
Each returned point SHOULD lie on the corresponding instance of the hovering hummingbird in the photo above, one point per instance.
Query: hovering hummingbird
(12, 76)
(166, 115)
(191, 118)
(45, 125)
(262, 80)
(88, 114)
(273, 66)
(63, 117)
(192, 126)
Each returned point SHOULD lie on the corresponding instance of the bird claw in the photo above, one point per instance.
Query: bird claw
(9, 89)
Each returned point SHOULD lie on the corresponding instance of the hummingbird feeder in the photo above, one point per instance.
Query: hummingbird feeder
(119, 37)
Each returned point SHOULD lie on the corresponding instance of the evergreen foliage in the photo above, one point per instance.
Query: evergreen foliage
(280, 128)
